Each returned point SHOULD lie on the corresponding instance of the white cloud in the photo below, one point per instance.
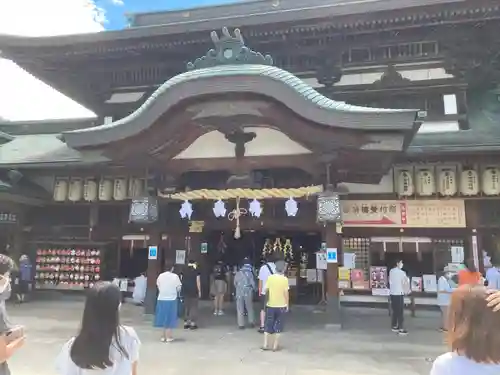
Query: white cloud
(117, 2)
(22, 96)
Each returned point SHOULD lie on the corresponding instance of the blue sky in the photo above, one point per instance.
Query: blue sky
(44, 18)
(116, 9)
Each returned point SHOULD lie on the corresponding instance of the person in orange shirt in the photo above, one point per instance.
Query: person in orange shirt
(469, 275)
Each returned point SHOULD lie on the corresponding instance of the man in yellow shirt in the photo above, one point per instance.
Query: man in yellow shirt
(277, 296)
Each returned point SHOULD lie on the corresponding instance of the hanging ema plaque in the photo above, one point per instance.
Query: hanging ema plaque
(144, 210)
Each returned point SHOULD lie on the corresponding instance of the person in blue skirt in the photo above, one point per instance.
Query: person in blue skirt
(166, 316)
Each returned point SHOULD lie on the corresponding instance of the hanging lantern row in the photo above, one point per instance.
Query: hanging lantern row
(254, 208)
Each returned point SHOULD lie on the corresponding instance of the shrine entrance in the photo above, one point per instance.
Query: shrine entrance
(237, 145)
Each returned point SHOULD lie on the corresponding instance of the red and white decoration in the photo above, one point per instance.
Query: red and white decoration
(67, 268)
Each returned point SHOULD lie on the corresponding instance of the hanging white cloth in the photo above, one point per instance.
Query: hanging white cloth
(255, 208)
(219, 209)
(186, 210)
(140, 285)
(291, 207)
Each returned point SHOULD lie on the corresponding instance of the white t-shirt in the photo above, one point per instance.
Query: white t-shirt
(264, 273)
(121, 365)
(454, 364)
(169, 285)
(398, 282)
(141, 283)
(493, 277)
(443, 299)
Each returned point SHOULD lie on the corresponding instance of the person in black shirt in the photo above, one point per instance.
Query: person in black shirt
(219, 287)
(191, 291)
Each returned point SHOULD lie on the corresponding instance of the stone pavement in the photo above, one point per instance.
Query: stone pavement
(366, 346)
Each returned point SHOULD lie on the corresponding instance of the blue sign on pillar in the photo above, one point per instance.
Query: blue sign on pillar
(331, 255)
(153, 252)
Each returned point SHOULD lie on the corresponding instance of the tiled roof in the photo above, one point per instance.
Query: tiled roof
(292, 90)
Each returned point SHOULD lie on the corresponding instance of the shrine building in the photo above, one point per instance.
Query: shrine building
(339, 137)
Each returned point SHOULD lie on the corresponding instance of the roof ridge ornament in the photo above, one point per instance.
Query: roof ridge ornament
(392, 77)
(229, 50)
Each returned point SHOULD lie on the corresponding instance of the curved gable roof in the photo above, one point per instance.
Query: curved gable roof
(233, 68)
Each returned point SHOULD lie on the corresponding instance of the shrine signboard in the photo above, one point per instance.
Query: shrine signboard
(408, 213)
(8, 218)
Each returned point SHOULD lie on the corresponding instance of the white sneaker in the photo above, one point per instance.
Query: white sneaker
(220, 312)
(216, 312)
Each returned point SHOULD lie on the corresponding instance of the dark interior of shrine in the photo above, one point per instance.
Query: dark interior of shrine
(223, 246)
(133, 262)
(296, 247)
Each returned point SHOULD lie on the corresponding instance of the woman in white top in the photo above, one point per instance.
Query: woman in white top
(140, 286)
(443, 297)
(103, 346)
(167, 306)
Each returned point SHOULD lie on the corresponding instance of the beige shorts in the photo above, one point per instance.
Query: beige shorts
(219, 288)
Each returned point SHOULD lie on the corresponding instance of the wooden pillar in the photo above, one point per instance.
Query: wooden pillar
(333, 240)
(474, 239)
(154, 269)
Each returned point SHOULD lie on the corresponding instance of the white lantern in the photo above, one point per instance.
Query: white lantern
(135, 188)
(90, 190)
(469, 182)
(491, 181)
(75, 189)
(447, 182)
(105, 190)
(426, 185)
(120, 189)
(404, 183)
(60, 190)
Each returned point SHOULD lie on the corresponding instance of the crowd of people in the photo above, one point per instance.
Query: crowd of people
(104, 346)
(176, 291)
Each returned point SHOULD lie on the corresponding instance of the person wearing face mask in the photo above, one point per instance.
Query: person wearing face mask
(399, 286)
(11, 338)
(445, 289)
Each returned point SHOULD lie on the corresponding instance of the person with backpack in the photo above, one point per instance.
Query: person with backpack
(266, 270)
(244, 284)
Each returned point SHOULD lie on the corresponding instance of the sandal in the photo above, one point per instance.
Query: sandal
(265, 349)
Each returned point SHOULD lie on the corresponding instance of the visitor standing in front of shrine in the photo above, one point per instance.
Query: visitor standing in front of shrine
(277, 303)
(244, 284)
(399, 287)
(266, 270)
(191, 292)
(219, 287)
(167, 307)
(493, 274)
(25, 278)
(445, 289)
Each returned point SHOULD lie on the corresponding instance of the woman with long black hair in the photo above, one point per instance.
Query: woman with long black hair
(103, 345)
